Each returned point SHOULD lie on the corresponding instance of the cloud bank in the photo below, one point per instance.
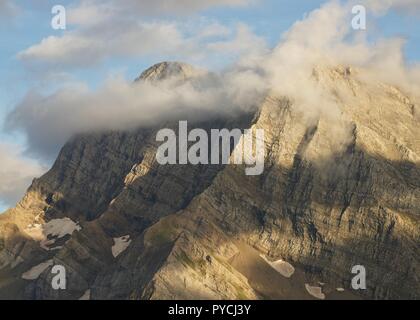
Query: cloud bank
(88, 47)
(109, 29)
(324, 38)
(49, 121)
(16, 173)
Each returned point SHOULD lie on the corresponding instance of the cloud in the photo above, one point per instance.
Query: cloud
(318, 48)
(49, 121)
(323, 39)
(116, 36)
(7, 9)
(86, 48)
(16, 173)
(109, 29)
(245, 42)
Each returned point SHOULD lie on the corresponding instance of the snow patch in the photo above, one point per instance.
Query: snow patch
(340, 289)
(86, 295)
(56, 228)
(120, 244)
(281, 266)
(61, 227)
(315, 291)
(36, 271)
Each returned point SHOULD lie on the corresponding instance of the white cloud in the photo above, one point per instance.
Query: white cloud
(245, 42)
(109, 29)
(16, 173)
(163, 40)
(49, 121)
(87, 47)
(324, 38)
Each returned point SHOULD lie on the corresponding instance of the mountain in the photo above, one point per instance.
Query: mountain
(336, 192)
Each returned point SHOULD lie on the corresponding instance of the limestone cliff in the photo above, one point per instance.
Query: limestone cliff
(338, 190)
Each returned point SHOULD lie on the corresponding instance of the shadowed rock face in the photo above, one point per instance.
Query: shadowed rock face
(337, 191)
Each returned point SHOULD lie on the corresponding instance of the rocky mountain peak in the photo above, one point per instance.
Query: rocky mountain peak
(125, 227)
(165, 70)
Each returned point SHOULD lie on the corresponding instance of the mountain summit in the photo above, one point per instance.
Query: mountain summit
(165, 70)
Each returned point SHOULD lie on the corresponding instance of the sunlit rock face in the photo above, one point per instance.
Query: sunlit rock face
(341, 187)
(167, 70)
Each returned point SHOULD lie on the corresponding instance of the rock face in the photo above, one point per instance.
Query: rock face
(337, 191)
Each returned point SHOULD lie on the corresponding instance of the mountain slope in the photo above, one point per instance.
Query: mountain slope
(338, 190)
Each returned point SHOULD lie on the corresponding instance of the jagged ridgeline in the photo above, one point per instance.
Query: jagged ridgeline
(333, 195)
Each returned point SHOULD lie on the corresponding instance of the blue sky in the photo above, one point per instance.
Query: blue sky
(25, 25)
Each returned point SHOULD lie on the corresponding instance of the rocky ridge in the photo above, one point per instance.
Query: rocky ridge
(336, 192)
